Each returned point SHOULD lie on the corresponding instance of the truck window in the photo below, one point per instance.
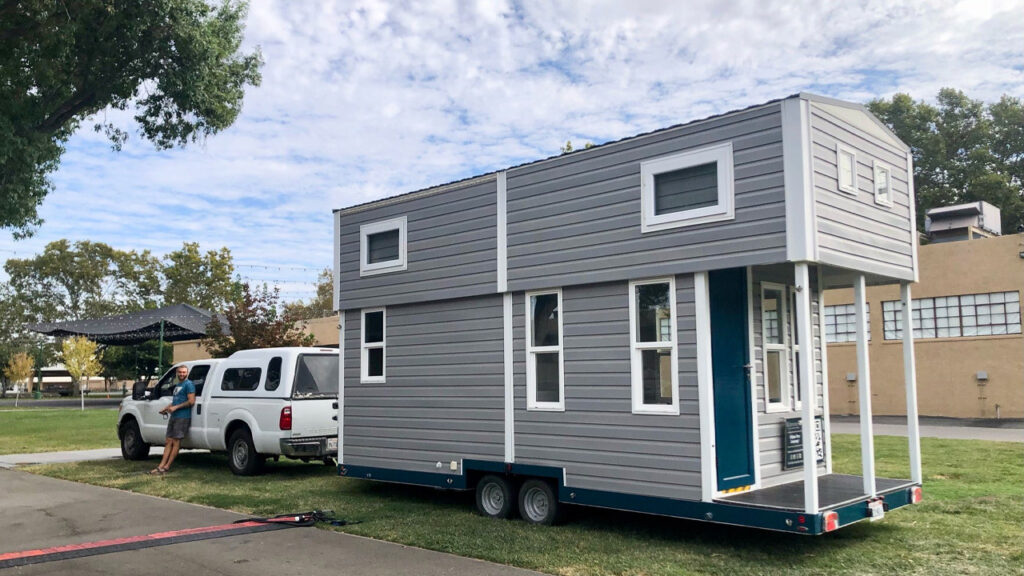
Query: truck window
(273, 374)
(163, 387)
(241, 379)
(198, 376)
(316, 375)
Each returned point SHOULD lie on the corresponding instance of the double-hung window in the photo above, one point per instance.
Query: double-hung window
(383, 246)
(846, 165)
(372, 344)
(694, 187)
(652, 314)
(883, 184)
(774, 339)
(545, 383)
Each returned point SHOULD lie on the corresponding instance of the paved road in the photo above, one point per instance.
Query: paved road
(42, 512)
(90, 402)
(995, 430)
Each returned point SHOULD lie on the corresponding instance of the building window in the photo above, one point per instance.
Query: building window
(372, 358)
(883, 184)
(545, 386)
(846, 163)
(841, 323)
(776, 350)
(383, 247)
(655, 379)
(686, 189)
(990, 314)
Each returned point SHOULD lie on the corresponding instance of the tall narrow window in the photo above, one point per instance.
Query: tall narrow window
(652, 312)
(883, 185)
(795, 348)
(773, 335)
(846, 163)
(373, 347)
(383, 246)
(545, 388)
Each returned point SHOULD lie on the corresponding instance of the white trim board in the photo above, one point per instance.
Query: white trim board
(502, 194)
(801, 236)
(751, 358)
(705, 388)
(510, 444)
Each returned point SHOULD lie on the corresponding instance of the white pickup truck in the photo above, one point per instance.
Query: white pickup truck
(253, 404)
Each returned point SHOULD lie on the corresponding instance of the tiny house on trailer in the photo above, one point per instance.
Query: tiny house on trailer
(633, 326)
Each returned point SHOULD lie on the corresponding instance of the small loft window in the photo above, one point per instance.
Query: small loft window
(883, 185)
(846, 163)
(383, 246)
(686, 189)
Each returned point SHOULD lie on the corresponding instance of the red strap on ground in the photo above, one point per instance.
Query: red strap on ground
(25, 557)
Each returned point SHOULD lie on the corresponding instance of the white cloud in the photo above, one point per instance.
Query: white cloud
(366, 99)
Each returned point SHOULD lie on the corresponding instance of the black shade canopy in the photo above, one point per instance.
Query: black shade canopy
(181, 322)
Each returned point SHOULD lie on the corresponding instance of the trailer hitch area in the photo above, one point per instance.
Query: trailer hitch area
(876, 508)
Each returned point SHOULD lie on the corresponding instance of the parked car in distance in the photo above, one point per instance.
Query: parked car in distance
(253, 404)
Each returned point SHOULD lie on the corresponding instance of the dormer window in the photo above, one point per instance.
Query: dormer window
(383, 247)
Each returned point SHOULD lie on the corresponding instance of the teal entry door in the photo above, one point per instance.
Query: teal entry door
(734, 426)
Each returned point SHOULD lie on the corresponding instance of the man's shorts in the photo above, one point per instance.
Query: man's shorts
(177, 427)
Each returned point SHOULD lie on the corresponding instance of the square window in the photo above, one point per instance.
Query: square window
(847, 169)
(686, 189)
(383, 246)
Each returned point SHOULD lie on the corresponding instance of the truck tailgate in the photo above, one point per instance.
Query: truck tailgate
(314, 417)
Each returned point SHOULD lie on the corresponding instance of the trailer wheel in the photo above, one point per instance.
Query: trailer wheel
(132, 445)
(242, 457)
(494, 497)
(538, 503)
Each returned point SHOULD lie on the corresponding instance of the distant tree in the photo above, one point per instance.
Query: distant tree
(176, 63)
(81, 359)
(202, 280)
(255, 320)
(568, 146)
(963, 149)
(320, 305)
(140, 361)
(20, 369)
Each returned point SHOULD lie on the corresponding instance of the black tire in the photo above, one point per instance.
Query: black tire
(242, 457)
(538, 503)
(495, 497)
(132, 445)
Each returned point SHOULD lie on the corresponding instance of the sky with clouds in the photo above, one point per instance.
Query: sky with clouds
(365, 99)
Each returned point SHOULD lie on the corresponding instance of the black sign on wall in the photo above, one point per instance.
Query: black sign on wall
(793, 442)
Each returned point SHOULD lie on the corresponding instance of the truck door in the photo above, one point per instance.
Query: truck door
(196, 437)
(154, 424)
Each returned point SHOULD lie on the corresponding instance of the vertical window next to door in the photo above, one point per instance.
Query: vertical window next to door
(545, 389)
(373, 346)
(652, 313)
(773, 335)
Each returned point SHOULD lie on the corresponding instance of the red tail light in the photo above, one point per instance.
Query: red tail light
(286, 418)
(831, 521)
(916, 494)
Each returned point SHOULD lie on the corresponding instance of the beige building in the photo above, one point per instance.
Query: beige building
(324, 331)
(968, 342)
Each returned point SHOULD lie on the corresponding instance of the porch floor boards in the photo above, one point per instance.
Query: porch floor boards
(834, 490)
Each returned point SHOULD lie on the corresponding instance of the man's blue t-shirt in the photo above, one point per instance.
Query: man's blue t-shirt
(181, 392)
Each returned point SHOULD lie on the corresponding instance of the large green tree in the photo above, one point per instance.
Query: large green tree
(177, 65)
(964, 150)
(254, 320)
(200, 279)
(320, 305)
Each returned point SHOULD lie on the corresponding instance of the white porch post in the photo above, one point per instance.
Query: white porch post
(808, 386)
(867, 440)
(910, 377)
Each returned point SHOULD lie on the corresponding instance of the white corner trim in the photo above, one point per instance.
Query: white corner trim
(531, 374)
(913, 213)
(336, 302)
(724, 209)
(341, 388)
(502, 232)
(402, 225)
(797, 166)
(826, 424)
(635, 352)
(705, 388)
(753, 378)
(510, 444)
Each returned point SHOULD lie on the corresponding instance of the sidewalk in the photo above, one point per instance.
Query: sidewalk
(932, 427)
(13, 460)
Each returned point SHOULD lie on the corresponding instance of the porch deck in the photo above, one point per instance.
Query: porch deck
(834, 490)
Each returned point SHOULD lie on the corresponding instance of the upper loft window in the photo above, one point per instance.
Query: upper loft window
(686, 189)
(846, 164)
(383, 246)
(883, 184)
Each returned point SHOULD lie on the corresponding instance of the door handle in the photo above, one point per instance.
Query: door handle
(199, 409)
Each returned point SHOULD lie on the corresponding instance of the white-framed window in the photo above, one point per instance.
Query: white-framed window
(686, 189)
(653, 355)
(841, 323)
(775, 344)
(383, 246)
(883, 184)
(990, 314)
(846, 164)
(373, 335)
(545, 363)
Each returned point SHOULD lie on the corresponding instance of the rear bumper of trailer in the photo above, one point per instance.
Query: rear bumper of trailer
(771, 508)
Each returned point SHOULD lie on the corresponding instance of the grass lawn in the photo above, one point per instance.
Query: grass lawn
(971, 522)
(29, 430)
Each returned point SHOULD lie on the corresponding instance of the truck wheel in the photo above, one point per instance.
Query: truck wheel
(538, 503)
(132, 446)
(494, 497)
(242, 457)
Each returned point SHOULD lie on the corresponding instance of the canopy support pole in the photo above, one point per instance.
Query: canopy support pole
(160, 356)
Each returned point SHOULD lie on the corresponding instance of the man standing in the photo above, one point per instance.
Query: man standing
(180, 410)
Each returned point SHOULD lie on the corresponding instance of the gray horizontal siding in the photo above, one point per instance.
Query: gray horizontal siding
(576, 220)
(452, 248)
(598, 440)
(853, 231)
(443, 398)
